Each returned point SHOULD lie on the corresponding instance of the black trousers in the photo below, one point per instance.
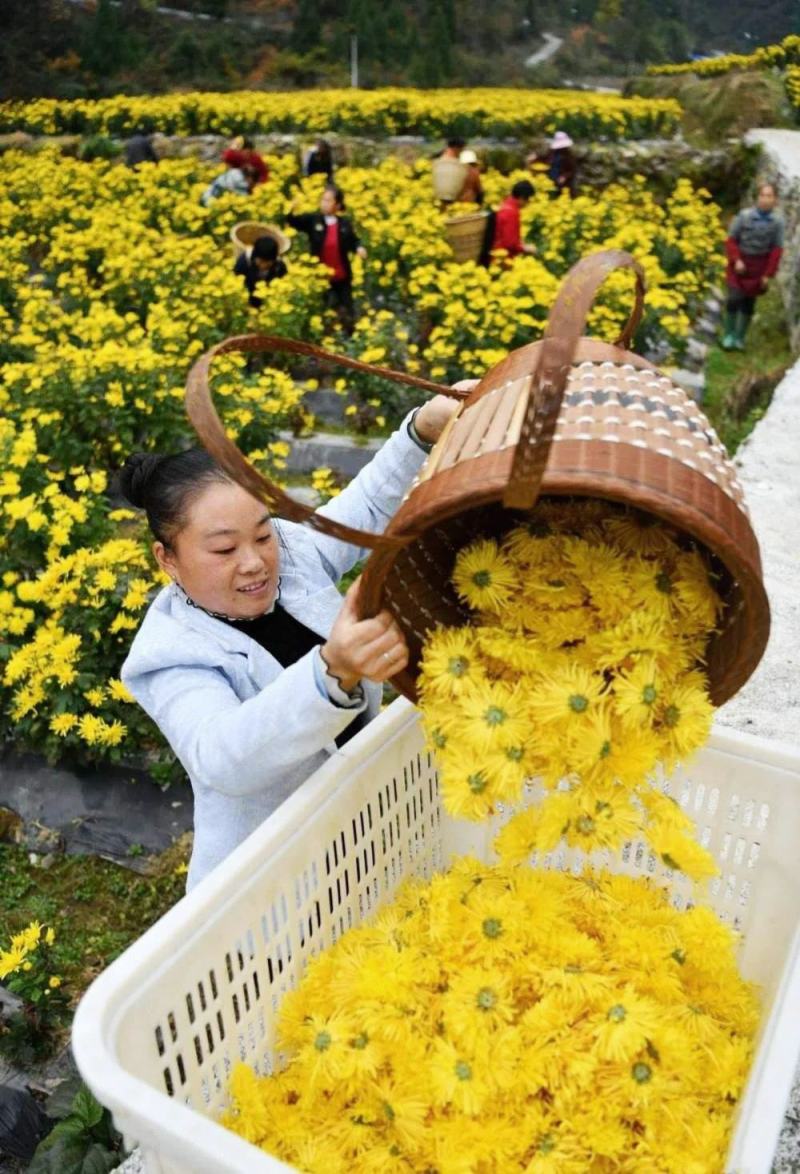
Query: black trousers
(740, 303)
(339, 297)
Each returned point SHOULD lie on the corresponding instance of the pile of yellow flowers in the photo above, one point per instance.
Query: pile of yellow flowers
(497, 112)
(786, 52)
(792, 78)
(582, 667)
(501, 1017)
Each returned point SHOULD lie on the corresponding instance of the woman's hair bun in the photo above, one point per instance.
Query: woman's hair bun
(135, 475)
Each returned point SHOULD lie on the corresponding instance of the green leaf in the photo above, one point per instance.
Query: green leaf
(65, 1156)
(99, 1160)
(87, 1108)
(59, 1103)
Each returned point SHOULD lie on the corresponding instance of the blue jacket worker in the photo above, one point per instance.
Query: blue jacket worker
(250, 662)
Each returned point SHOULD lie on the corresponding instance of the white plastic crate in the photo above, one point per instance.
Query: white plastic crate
(157, 1033)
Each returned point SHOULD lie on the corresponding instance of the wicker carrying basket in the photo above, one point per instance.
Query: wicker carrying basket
(465, 235)
(567, 416)
(245, 235)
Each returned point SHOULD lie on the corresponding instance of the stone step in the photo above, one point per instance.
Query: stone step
(329, 450)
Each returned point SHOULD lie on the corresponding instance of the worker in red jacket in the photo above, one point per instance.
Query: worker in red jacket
(504, 227)
(242, 153)
(333, 239)
(754, 248)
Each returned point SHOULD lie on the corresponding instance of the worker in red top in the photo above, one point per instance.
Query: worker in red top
(754, 249)
(504, 228)
(242, 153)
(333, 239)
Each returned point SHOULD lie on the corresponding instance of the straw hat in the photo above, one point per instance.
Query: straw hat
(468, 156)
(560, 139)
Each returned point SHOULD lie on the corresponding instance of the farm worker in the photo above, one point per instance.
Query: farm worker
(250, 662)
(239, 180)
(333, 239)
(139, 149)
(472, 191)
(242, 153)
(448, 173)
(562, 166)
(504, 228)
(262, 267)
(754, 247)
(319, 160)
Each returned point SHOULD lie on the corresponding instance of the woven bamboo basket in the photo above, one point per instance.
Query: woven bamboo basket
(245, 235)
(567, 416)
(465, 235)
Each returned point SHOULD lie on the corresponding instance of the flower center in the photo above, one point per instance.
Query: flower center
(477, 782)
(649, 694)
(495, 716)
(492, 927)
(672, 716)
(463, 1070)
(546, 1143)
(663, 583)
(486, 999)
(617, 1013)
(679, 956)
(457, 666)
(482, 578)
(578, 703)
(515, 753)
(641, 1072)
(361, 1041)
(585, 824)
(323, 1041)
(439, 739)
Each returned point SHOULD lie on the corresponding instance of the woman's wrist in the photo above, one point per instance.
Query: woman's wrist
(347, 681)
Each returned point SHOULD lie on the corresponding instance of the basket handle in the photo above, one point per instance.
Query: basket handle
(565, 327)
(205, 419)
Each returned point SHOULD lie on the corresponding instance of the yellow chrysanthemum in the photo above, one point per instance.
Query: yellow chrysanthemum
(484, 578)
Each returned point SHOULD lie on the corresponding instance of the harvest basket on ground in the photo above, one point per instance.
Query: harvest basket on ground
(465, 235)
(245, 235)
(157, 1033)
(567, 416)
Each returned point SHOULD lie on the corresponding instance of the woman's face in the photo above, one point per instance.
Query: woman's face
(327, 203)
(226, 556)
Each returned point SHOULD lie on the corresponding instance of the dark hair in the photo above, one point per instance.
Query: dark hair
(337, 193)
(164, 487)
(523, 190)
(456, 141)
(323, 149)
(265, 249)
(247, 144)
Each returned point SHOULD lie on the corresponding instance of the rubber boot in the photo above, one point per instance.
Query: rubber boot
(730, 335)
(740, 331)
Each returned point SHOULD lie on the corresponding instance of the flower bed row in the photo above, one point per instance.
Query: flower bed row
(493, 112)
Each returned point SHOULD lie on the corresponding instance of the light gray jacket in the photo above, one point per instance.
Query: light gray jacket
(248, 731)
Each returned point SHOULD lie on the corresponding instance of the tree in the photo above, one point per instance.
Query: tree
(307, 24)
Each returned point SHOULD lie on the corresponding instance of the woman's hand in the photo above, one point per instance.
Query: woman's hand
(361, 252)
(430, 420)
(739, 265)
(375, 648)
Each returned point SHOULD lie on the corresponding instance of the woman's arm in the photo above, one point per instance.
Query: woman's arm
(371, 498)
(240, 747)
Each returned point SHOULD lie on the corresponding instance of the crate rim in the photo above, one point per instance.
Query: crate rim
(94, 1024)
